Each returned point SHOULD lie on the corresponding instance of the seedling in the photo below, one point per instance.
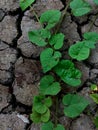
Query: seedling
(57, 68)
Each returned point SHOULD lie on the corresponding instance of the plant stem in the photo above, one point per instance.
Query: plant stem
(92, 23)
(32, 9)
(62, 17)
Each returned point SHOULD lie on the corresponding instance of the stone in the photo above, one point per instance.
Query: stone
(9, 5)
(84, 70)
(27, 48)
(85, 92)
(82, 123)
(2, 14)
(27, 75)
(8, 57)
(8, 30)
(73, 35)
(11, 122)
(42, 5)
(4, 97)
(35, 127)
(93, 74)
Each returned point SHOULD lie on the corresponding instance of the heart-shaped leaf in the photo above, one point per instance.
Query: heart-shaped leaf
(51, 17)
(74, 105)
(50, 126)
(79, 51)
(25, 3)
(79, 7)
(57, 40)
(91, 36)
(94, 96)
(39, 36)
(68, 73)
(48, 86)
(37, 117)
(49, 58)
(41, 104)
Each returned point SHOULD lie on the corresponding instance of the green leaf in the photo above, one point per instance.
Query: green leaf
(57, 40)
(51, 17)
(48, 101)
(68, 73)
(50, 126)
(74, 105)
(37, 117)
(39, 104)
(24, 4)
(39, 36)
(80, 7)
(96, 1)
(94, 97)
(94, 87)
(59, 127)
(90, 39)
(48, 86)
(96, 121)
(47, 126)
(49, 58)
(79, 51)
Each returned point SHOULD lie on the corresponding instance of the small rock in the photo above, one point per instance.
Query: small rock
(84, 70)
(27, 48)
(4, 97)
(42, 5)
(8, 30)
(1, 14)
(68, 25)
(9, 5)
(27, 75)
(82, 123)
(8, 57)
(35, 127)
(11, 122)
(93, 74)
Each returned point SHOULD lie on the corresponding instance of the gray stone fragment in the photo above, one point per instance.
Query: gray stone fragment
(82, 123)
(42, 5)
(8, 30)
(8, 57)
(84, 70)
(93, 74)
(35, 127)
(9, 5)
(27, 48)
(11, 122)
(27, 75)
(1, 14)
(4, 97)
(69, 28)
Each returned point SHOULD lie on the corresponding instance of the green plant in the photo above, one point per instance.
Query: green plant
(51, 62)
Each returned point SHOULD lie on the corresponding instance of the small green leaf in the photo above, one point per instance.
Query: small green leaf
(89, 44)
(49, 58)
(94, 87)
(37, 117)
(48, 86)
(91, 36)
(39, 36)
(45, 117)
(48, 101)
(24, 4)
(59, 127)
(68, 73)
(94, 97)
(39, 104)
(74, 105)
(80, 7)
(51, 17)
(47, 126)
(79, 51)
(96, 121)
(96, 1)
(50, 126)
(57, 40)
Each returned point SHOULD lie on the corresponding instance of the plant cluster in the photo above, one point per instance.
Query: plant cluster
(54, 66)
